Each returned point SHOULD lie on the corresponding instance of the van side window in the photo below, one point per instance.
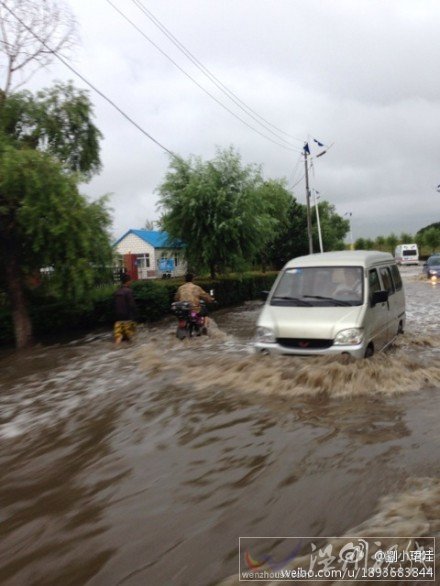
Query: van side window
(387, 280)
(373, 281)
(396, 277)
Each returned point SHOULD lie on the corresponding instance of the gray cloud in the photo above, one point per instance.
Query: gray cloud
(361, 75)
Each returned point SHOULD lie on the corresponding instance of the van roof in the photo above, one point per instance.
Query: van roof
(364, 258)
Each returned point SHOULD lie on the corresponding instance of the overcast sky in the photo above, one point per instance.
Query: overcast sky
(361, 75)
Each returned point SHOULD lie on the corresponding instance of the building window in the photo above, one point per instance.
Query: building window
(143, 261)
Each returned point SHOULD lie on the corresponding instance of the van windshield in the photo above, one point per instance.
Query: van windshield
(320, 287)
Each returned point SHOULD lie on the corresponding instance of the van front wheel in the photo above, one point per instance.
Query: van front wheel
(369, 351)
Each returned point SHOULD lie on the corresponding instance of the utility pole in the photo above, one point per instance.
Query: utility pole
(309, 219)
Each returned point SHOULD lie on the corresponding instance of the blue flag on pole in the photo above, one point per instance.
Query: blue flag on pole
(306, 148)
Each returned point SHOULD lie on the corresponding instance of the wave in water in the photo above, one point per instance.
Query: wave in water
(384, 374)
(413, 512)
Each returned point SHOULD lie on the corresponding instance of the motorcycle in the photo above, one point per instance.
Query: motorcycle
(190, 321)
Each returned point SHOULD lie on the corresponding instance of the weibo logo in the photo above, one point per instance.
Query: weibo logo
(254, 564)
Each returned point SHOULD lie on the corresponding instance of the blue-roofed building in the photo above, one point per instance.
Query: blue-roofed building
(150, 254)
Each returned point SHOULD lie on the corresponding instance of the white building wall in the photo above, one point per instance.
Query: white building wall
(132, 244)
(182, 267)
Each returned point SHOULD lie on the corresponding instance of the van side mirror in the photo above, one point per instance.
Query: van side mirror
(264, 295)
(379, 297)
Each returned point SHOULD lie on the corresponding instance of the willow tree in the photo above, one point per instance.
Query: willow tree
(48, 143)
(216, 209)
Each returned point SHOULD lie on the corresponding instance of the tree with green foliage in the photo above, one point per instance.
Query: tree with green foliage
(406, 238)
(380, 243)
(431, 239)
(291, 236)
(391, 242)
(292, 241)
(425, 228)
(419, 240)
(364, 244)
(48, 143)
(216, 208)
(277, 202)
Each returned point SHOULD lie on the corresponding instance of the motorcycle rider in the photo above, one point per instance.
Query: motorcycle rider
(192, 293)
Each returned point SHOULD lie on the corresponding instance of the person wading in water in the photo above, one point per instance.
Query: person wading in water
(125, 311)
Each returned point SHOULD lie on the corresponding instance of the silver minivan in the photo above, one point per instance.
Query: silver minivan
(348, 302)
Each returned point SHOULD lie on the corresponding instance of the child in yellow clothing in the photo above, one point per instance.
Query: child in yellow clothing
(125, 311)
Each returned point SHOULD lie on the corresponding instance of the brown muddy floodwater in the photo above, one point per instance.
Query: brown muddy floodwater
(144, 465)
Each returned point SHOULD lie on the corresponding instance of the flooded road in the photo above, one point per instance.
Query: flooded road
(143, 465)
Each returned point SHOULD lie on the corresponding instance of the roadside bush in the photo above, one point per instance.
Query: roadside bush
(152, 300)
(51, 315)
(235, 289)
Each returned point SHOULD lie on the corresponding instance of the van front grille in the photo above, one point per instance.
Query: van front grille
(304, 343)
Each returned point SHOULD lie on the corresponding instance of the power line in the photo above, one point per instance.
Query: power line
(289, 148)
(295, 170)
(98, 91)
(217, 82)
(299, 181)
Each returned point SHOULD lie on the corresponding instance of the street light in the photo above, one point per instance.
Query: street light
(316, 198)
(349, 214)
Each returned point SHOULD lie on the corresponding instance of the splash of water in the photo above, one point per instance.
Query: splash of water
(385, 374)
(413, 512)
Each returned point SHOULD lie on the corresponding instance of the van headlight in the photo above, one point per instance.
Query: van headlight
(265, 335)
(349, 337)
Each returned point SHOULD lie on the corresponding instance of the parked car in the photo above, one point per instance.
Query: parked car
(431, 267)
(349, 302)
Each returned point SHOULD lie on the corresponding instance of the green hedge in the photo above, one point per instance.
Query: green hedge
(153, 299)
(228, 290)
